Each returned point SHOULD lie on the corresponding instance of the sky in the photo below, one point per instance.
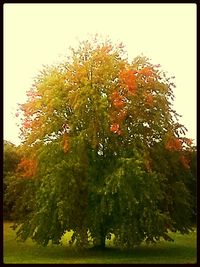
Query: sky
(38, 34)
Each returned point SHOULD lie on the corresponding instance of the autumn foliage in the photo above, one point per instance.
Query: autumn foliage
(115, 128)
(118, 100)
(146, 72)
(27, 168)
(127, 79)
(177, 145)
(173, 144)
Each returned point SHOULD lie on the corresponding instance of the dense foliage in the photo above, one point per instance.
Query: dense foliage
(10, 160)
(17, 190)
(106, 151)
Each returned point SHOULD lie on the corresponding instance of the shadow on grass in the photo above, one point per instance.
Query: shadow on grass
(58, 254)
(115, 253)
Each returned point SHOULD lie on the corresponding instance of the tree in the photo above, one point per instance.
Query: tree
(10, 157)
(10, 160)
(18, 191)
(100, 136)
(190, 178)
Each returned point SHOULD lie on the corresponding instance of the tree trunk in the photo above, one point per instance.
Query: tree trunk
(100, 243)
(102, 240)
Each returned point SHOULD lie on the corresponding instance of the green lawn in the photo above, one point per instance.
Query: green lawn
(182, 250)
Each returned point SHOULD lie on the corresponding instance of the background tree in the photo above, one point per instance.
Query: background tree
(18, 189)
(101, 138)
(11, 159)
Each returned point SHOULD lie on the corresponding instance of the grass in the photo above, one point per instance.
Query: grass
(182, 250)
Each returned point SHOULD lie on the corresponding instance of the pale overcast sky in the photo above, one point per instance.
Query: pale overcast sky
(39, 34)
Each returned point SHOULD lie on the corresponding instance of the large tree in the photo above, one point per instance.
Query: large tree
(103, 143)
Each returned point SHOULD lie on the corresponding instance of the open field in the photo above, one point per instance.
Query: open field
(182, 250)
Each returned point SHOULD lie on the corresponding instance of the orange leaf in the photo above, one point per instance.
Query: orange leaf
(27, 123)
(28, 167)
(149, 100)
(114, 127)
(173, 144)
(127, 78)
(118, 100)
(146, 72)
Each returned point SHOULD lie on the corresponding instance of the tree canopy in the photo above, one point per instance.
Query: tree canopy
(10, 158)
(105, 147)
